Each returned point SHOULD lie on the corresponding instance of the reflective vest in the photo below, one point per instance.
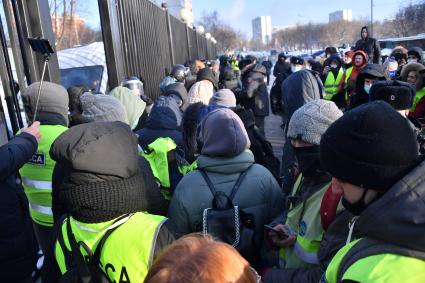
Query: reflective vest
(158, 155)
(126, 255)
(235, 65)
(378, 268)
(347, 77)
(36, 176)
(419, 95)
(331, 84)
(304, 219)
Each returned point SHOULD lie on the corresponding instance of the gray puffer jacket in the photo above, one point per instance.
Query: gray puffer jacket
(258, 193)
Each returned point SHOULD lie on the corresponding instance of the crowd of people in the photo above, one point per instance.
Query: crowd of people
(186, 188)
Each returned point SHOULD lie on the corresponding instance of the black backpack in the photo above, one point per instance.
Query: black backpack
(79, 268)
(228, 223)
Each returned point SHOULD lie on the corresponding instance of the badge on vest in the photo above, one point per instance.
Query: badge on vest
(38, 159)
(302, 229)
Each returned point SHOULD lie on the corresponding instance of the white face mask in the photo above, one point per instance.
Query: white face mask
(295, 69)
(412, 61)
(347, 60)
(334, 66)
(308, 67)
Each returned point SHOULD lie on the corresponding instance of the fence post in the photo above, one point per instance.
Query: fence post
(188, 42)
(111, 41)
(170, 32)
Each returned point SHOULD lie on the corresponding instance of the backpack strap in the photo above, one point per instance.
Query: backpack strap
(369, 247)
(78, 259)
(235, 187)
(238, 183)
(95, 260)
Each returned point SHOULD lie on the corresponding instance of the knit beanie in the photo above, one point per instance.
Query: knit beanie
(311, 121)
(224, 97)
(101, 175)
(223, 134)
(398, 94)
(200, 92)
(102, 108)
(53, 99)
(371, 146)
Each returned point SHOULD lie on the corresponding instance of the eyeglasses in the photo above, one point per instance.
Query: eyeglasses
(257, 276)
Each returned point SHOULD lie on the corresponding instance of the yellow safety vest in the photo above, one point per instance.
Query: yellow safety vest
(126, 255)
(157, 156)
(37, 176)
(331, 84)
(419, 95)
(347, 77)
(304, 219)
(378, 268)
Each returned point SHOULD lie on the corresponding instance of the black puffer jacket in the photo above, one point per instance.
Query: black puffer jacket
(298, 89)
(18, 244)
(370, 71)
(164, 121)
(260, 146)
(254, 94)
(228, 79)
(371, 47)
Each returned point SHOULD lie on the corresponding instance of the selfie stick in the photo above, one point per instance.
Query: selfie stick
(46, 60)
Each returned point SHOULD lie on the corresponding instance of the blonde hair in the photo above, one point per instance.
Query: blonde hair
(199, 258)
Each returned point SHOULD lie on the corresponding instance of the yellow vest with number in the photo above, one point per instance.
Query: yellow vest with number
(331, 84)
(36, 176)
(127, 254)
(304, 220)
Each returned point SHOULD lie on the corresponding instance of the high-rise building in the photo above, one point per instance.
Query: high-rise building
(181, 9)
(341, 15)
(262, 29)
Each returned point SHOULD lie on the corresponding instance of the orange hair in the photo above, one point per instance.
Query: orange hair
(199, 258)
(199, 64)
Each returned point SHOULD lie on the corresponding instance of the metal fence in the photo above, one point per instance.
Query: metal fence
(150, 46)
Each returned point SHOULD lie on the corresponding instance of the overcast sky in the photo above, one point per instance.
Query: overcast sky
(239, 13)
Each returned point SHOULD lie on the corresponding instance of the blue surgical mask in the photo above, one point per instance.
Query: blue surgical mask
(367, 88)
(392, 74)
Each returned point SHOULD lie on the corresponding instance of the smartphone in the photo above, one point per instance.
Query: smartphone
(281, 234)
(41, 45)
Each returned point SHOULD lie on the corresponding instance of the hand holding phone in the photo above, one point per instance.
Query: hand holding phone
(281, 235)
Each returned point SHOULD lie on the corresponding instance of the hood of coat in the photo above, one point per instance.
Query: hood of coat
(418, 69)
(361, 33)
(53, 100)
(177, 89)
(134, 106)
(370, 71)
(81, 152)
(226, 165)
(207, 74)
(416, 51)
(299, 88)
(222, 133)
(397, 217)
(363, 54)
(253, 79)
(165, 114)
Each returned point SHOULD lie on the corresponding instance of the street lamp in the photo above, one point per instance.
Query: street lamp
(200, 30)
